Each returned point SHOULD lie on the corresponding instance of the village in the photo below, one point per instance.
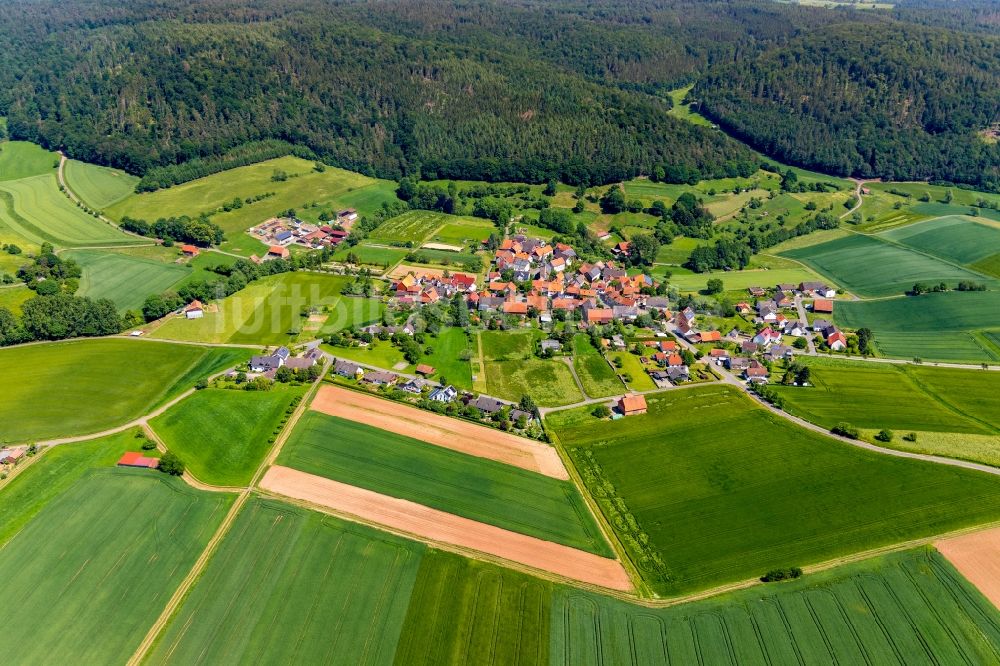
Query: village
(536, 285)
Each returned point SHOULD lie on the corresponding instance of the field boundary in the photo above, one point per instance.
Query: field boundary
(425, 523)
(439, 430)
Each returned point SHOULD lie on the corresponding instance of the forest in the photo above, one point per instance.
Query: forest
(851, 100)
(528, 91)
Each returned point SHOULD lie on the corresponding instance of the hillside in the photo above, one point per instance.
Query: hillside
(855, 99)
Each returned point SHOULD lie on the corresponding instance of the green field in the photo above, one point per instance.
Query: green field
(463, 230)
(87, 577)
(938, 327)
(53, 472)
(598, 378)
(222, 435)
(722, 490)
(36, 210)
(268, 311)
(450, 345)
(372, 255)
(901, 398)
(740, 280)
(469, 612)
(126, 280)
(413, 226)
(638, 380)
(293, 586)
(333, 187)
(549, 383)
(869, 267)
(958, 239)
(74, 388)
(476, 488)
(21, 159)
(98, 186)
(905, 608)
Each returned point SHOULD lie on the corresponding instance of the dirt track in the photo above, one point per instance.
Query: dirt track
(442, 527)
(977, 557)
(440, 430)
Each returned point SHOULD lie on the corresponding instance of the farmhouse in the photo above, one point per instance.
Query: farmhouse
(11, 456)
(277, 252)
(133, 459)
(756, 372)
(630, 405)
(194, 310)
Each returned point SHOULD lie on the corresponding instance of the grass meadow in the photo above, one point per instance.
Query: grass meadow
(292, 586)
(870, 267)
(476, 488)
(598, 378)
(708, 488)
(268, 311)
(88, 576)
(84, 386)
(901, 398)
(222, 435)
(124, 279)
(21, 159)
(463, 231)
(512, 370)
(13, 297)
(36, 210)
(910, 607)
(98, 186)
(334, 187)
(939, 327)
(372, 255)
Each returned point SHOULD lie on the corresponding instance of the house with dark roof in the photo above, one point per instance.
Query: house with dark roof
(347, 369)
(487, 405)
(379, 378)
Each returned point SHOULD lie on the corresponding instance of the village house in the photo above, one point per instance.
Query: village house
(273, 361)
(817, 289)
(822, 305)
(766, 337)
(756, 372)
(347, 369)
(487, 406)
(443, 394)
(836, 341)
(379, 378)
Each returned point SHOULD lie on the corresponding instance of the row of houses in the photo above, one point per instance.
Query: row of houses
(486, 406)
(267, 365)
(785, 290)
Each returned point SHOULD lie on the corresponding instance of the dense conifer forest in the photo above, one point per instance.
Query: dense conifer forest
(527, 90)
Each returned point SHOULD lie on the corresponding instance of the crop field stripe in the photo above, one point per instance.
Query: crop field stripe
(321, 591)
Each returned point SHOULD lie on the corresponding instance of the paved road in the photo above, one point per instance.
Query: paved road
(801, 308)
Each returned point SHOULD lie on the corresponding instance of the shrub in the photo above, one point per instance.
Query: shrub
(775, 575)
(601, 412)
(171, 464)
(845, 429)
(910, 437)
(884, 435)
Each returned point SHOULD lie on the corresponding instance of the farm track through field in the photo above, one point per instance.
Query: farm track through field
(61, 177)
(729, 378)
(181, 592)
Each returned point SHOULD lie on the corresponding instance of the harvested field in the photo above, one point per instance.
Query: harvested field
(442, 246)
(443, 527)
(475, 488)
(401, 271)
(977, 557)
(440, 430)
